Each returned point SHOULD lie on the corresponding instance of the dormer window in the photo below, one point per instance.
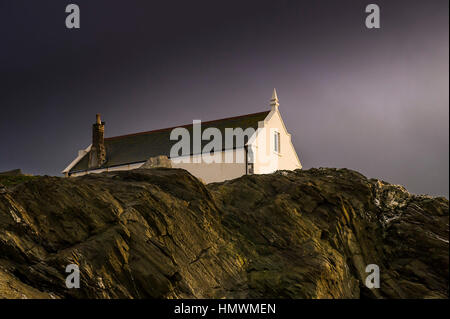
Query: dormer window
(276, 145)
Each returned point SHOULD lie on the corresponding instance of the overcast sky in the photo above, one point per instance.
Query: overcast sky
(375, 101)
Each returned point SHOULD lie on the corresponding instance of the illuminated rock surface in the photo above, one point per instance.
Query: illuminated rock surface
(161, 233)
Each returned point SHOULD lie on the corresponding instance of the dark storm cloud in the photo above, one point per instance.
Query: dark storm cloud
(372, 100)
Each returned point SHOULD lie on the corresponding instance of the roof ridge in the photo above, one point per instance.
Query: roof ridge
(185, 125)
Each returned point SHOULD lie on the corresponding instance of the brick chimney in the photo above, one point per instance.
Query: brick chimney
(97, 156)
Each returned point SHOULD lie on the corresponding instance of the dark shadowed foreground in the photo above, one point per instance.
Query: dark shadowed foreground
(161, 233)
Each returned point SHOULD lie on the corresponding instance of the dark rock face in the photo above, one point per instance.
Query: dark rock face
(160, 233)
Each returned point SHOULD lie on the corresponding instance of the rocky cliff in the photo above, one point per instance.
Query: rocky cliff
(161, 233)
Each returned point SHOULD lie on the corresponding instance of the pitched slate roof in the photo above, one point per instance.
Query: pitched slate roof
(139, 147)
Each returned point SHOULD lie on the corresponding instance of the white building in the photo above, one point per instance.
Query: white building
(266, 149)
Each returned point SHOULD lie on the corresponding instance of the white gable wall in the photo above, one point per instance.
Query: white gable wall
(271, 161)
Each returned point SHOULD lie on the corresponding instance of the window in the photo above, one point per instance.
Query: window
(276, 144)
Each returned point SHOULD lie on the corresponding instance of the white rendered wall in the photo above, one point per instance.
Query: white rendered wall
(215, 172)
(109, 169)
(207, 172)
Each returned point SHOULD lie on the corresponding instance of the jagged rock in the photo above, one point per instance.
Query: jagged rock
(157, 161)
(161, 233)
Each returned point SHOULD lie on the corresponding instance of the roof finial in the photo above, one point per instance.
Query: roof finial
(274, 100)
